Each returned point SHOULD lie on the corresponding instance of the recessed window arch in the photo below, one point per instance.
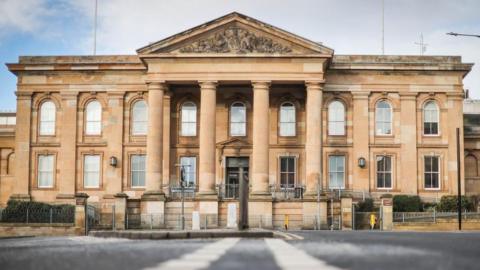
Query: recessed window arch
(430, 118)
(139, 118)
(48, 117)
(336, 118)
(238, 119)
(93, 118)
(383, 118)
(471, 166)
(287, 119)
(188, 119)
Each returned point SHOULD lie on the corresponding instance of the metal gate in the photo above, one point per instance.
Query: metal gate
(92, 218)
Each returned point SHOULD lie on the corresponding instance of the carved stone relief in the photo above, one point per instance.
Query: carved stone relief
(236, 40)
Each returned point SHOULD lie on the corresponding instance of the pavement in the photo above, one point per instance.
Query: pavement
(300, 250)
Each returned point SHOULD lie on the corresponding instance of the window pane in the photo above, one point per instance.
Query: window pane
(93, 118)
(189, 119)
(189, 165)
(47, 118)
(138, 170)
(435, 183)
(428, 180)
(238, 129)
(45, 170)
(91, 170)
(139, 118)
(380, 180)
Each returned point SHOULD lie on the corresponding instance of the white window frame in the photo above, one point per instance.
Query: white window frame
(437, 109)
(283, 123)
(136, 123)
(332, 118)
(288, 171)
(51, 170)
(93, 122)
(330, 172)
(183, 122)
(377, 171)
(244, 123)
(377, 121)
(43, 121)
(132, 170)
(188, 170)
(432, 172)
(87, 173)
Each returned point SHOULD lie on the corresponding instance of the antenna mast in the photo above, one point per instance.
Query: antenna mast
(95, 29)
(422, 45)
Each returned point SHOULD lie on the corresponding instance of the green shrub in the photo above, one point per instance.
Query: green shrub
(406, 203)
(38, 212)
(448, 203)
(366, 206)
(429, 206)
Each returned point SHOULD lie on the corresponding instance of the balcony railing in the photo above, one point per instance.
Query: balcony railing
(188, 191)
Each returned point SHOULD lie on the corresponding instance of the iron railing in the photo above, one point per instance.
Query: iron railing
(44, 215)
(432, 216)
(287, 192)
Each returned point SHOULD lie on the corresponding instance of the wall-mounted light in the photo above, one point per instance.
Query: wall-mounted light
(362, 162)
(113, 161)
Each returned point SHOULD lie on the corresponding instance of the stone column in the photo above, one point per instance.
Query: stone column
(166, 137)
(80, 213)
(120, 210)
(153, 200)
(155, 138)
(261, 127)
(454, 120)
(114, 123)
(387, 212)
(207, 138)
(346, 210)
(21, 189)
(260, 200)
(207, 195)
(313, 138)
(68, 138)
(408, 136)
(361, 135)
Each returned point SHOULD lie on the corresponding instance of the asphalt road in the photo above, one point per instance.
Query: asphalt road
(317, 250)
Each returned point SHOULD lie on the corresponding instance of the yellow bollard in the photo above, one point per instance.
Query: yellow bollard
(286, 222)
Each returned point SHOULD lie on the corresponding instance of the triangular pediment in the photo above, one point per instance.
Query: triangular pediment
(236, 34)
(233, 142)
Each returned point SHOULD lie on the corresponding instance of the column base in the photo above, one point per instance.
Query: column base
(260, 213)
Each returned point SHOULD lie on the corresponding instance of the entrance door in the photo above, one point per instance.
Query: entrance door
(232, 184)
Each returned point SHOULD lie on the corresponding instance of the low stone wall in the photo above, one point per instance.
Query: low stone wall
(38, 229)
(470, 225)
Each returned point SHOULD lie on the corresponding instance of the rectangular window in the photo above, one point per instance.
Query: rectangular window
(384, 172)
(189, 165)
(45, 171)
(137, 170)
(91, 171)
(287, 172)
(336, 172)
(432, 172)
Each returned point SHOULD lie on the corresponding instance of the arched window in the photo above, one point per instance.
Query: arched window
(11, 164)
(93, 118)
(471, 166)
(47, 118)
(139, 118)
(189, 119)
(238, 119)
(383, 118)
(430, 118)
(287, 119)
(336, 118)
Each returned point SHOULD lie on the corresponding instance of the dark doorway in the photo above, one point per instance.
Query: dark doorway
(232, 180)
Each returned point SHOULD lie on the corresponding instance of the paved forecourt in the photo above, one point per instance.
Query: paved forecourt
(302, 250)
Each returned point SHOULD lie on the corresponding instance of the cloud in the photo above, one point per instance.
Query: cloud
(23, 16)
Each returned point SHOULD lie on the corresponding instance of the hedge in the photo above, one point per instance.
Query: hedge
(406, 203)
(38, 212)
(449, 204)
(365, 206)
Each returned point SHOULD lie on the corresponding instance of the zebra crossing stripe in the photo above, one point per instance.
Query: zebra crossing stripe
(199, 259)
(289, 257)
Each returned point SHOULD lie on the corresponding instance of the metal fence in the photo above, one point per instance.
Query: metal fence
(260, 221)
(43, 215)
(432, 216)
(287, 192)
(188, 192)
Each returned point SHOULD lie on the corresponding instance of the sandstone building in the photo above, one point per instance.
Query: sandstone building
(235, 93)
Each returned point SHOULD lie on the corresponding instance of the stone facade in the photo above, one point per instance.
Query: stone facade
(237, 59)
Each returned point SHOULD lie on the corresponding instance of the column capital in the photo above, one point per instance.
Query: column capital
(24, 95)
(208, 85)
(69, 95)
(261, 85)
(314, 85)
(360, 95)
(156, 85)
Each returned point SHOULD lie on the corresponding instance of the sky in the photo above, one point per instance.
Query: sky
(65, 27)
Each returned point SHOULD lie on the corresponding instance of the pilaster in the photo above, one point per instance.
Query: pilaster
(361, 141)
(408, 140)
